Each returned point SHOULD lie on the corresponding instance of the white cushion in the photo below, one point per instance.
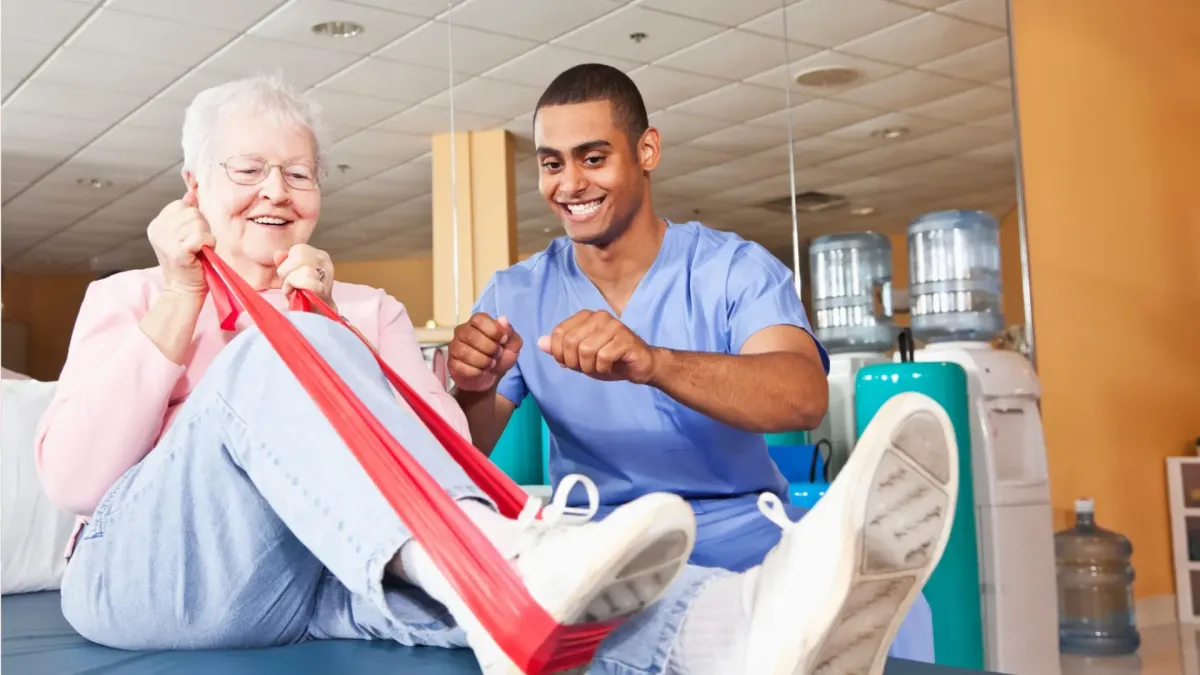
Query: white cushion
(33, 532)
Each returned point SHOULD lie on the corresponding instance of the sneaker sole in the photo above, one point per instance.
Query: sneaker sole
(657, 534)
(904, 523)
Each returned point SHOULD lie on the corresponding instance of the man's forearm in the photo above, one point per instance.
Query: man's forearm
(763, 393)
(480, 407)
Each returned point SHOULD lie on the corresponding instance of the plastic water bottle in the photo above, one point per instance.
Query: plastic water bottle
(1095, 588)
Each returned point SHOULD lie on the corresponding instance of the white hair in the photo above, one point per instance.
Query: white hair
(261, 96)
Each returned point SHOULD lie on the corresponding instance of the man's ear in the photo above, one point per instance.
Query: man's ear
(649, 149)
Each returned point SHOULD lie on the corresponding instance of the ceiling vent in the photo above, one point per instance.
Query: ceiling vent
(807, 202)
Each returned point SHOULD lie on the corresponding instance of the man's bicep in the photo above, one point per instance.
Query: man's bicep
(783, 338)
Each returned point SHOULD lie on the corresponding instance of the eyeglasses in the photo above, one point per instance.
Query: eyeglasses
(254, 170)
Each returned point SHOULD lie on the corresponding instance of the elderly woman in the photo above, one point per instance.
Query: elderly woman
(221, 510)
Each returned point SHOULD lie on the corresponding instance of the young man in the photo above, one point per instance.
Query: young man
(663, 352)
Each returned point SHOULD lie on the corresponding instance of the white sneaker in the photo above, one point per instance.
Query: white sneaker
(581, 571)
(831, 596)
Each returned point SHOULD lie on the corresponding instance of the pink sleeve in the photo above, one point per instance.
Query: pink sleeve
(110, 402)
(399, 348)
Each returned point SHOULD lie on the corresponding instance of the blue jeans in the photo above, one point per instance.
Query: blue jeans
(251, 524)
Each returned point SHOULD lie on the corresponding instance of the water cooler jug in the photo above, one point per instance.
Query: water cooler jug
(955, 301)
(851, 276)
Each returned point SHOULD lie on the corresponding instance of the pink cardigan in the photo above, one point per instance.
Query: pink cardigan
(118, 394)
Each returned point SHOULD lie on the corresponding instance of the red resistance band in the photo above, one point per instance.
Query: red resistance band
(484, 580)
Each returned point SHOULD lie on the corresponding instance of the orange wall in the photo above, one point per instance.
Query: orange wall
(48, 304)
(1108, 109)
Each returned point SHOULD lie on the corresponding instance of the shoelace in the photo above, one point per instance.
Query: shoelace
(772, 507)
(557, 514)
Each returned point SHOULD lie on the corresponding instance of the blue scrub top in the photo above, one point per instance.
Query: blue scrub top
(706, 291)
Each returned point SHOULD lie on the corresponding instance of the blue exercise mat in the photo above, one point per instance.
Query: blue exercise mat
(37, 640)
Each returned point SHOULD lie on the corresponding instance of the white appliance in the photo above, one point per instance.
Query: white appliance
(1012, 507)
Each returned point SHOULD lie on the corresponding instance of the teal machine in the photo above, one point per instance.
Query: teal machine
(953, 590)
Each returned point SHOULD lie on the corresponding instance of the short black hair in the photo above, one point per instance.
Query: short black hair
(590, 82)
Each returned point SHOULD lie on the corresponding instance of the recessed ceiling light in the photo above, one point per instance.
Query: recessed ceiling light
(831, 76)
(546, 230)
(338, 29)
(890, 133)
(97, 183)
(862, 210)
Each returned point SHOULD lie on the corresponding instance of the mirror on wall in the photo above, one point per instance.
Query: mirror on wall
(897, 108)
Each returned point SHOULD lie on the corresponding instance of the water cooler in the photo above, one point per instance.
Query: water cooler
(955, 306)
(851, 276)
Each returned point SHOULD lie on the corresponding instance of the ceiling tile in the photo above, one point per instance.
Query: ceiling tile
(723, 12)
(354, 204)
(109, 72)
(970, 106)
(425, 8)
(733, 54)
(300, 65)
(375, 77)
(903, 90)
(358, 166)
(663, 87)
(21, 57)
(25, 170)
(985, 63)
(991, 12)
(683, 159)
(829, 23)
(486, 96)
(1004, 153)
(43, 21)
(431, 119)
(915, 127)
(869, 71)
(384, 144)
(186, 88)
(539, 67)
(614, 34)
(36, 126)
(235, 15)
(921, 39)
(160, 113)
(882, 159)
(133, 35)
(103, 162)
(677, 127)
(737, 102)
(925, 4)
(63, 101)
(541, 20)
(353, 110)
(1003, 122)
(158, 143)
(740, 139)
(16, 147)
(475, 51)
(817, 117)
(293, 24)
(954, 141)
(810, 152)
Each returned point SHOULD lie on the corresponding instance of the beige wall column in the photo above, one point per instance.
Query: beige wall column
(485, 194)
